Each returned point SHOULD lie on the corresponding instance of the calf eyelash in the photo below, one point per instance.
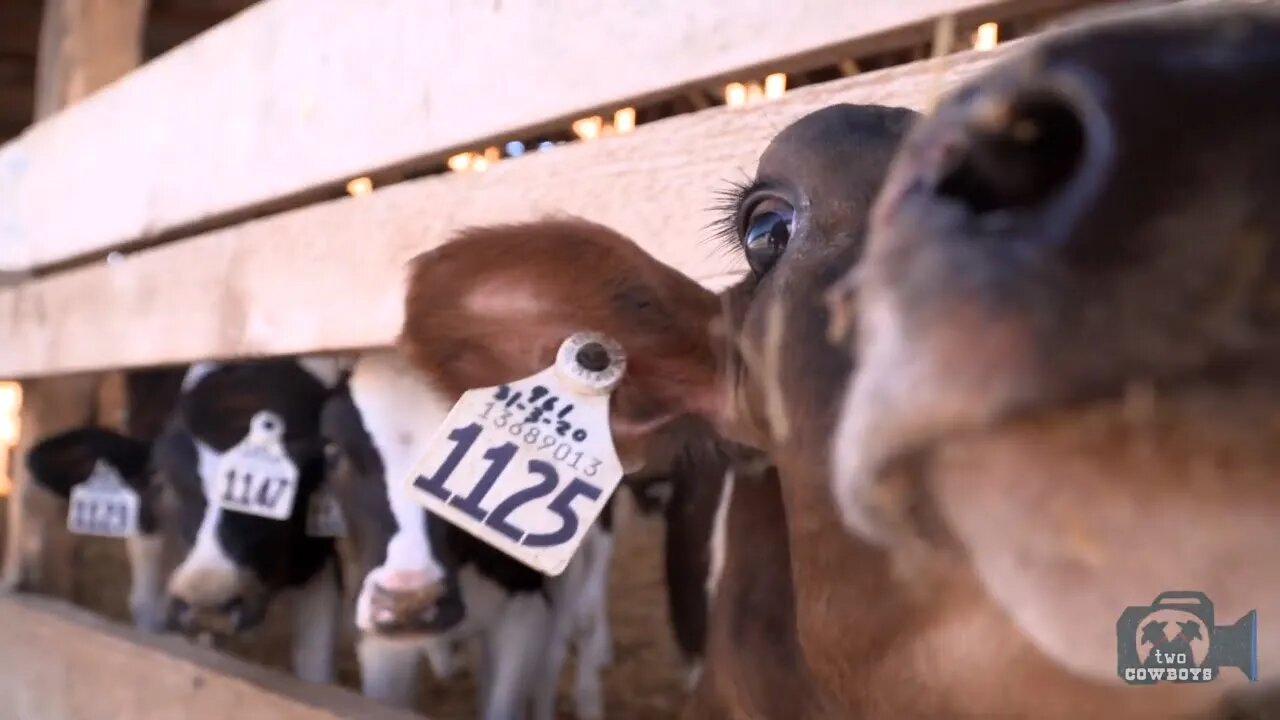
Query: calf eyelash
(724, 226)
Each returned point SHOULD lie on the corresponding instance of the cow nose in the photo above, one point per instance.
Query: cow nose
(406, 581)
(1009, 149)
(411, 601)
(398, 607)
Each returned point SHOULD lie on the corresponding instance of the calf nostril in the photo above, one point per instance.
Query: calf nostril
(237, 617)
(1017, 151)
(178, 616)
(405, 581)
(405, 607)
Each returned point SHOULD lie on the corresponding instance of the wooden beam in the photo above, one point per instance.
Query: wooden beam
(291, 95)
(329, 276)
(64, 663)
(85, 45)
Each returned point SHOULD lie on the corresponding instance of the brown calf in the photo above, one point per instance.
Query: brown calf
(1045, 244)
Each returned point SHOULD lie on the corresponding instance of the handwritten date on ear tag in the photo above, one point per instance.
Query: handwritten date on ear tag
(103, 505)
(256, 477)
(528, 466)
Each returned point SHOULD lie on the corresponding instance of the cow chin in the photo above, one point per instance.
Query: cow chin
(215, 597)
(244, 611)
(1068, 513)
(1115, 501)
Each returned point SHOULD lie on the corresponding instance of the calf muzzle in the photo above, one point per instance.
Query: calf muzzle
(429, 608)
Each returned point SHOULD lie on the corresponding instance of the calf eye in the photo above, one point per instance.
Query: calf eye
(768, 230)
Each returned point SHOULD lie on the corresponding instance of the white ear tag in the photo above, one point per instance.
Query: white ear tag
(256, 477)
(103, 504)
(528, 466)
(324, 515)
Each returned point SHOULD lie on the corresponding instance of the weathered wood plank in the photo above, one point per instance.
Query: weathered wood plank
(84, 45)
(63, 663)
(297, 94)
(329, 276)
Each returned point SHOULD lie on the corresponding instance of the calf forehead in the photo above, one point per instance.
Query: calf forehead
(279, 552)
(829, 166)
(219, 403)
(838, 152)
(62, 461)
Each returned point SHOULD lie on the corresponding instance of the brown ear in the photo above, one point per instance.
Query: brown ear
(494, 304)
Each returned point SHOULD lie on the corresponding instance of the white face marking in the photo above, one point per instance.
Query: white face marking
(719, 537)
(324, 368)
(857, 426)
(400, 412)
(197, 372)
(207, 576)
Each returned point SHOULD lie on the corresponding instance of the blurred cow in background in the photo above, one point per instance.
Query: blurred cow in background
(239, 512)
(59, 463)
(426, 586)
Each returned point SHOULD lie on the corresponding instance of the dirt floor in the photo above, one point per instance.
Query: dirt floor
(644, 683)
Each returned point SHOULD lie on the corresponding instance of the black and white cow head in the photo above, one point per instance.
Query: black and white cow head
(234, 562)
(379, 426)
(60, 462)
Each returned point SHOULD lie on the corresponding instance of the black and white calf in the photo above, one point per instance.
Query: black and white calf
(61, 463)
(240, 464)
(428, 586)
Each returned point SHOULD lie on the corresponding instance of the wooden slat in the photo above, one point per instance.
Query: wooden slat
(84, 45)
(63, 663)
(296, 94)
(330, 276)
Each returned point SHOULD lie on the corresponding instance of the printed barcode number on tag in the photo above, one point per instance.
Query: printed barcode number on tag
(527, 467)
(256, 477)
(103, 505)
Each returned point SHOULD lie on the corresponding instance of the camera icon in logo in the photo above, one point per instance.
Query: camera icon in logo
(1174, 640)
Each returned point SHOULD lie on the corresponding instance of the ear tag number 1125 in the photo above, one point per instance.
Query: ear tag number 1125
(103, 504)
(528, 466)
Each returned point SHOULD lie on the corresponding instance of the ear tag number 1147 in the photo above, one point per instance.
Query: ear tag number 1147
(256, 477)
(528, 466)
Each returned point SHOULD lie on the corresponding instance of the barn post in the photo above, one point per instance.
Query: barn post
(84, 45)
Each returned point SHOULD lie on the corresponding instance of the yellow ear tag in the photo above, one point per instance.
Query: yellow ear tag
(528, 466)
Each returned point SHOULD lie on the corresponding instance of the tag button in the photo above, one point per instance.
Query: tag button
(591, 363)
(593, 357)
(265, 427)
